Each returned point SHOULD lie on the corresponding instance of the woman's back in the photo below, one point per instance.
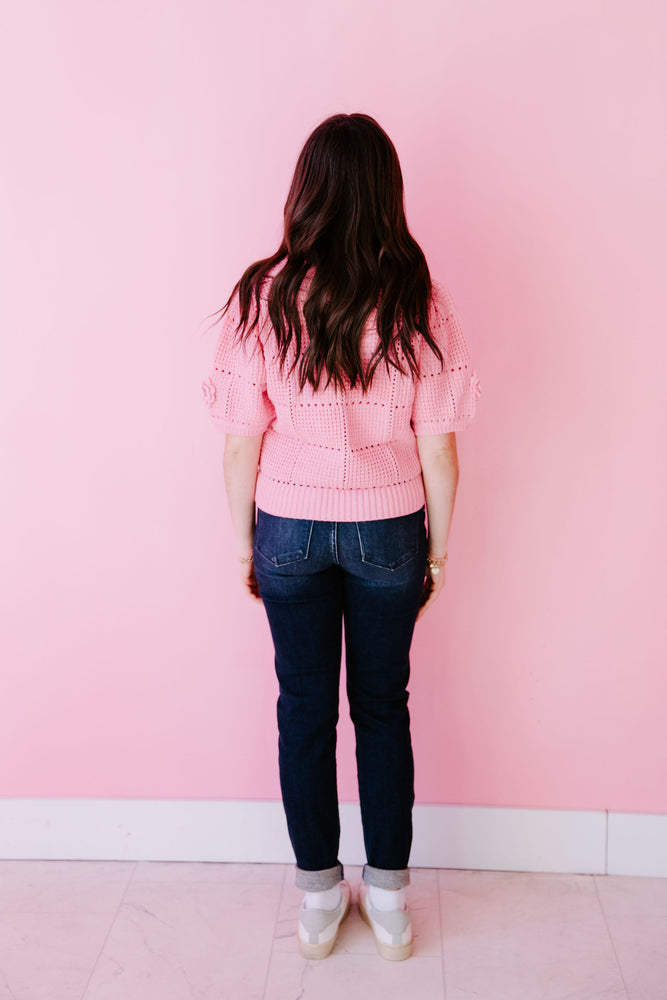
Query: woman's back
(335, 454)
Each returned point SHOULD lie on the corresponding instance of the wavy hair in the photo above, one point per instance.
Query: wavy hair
(344, 217)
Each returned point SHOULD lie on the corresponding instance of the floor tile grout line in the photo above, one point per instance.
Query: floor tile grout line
(109, 929)
(610, 936)
(275, 930)
(208, 881)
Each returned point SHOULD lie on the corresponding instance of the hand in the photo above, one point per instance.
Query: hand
(249, 580)
(432, 587)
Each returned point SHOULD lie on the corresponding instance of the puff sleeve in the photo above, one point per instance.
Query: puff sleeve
(445, 396)
(235, 391)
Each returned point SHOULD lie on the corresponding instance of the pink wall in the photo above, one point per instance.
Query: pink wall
(148, 149)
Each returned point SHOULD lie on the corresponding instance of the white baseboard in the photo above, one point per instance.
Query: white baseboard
(637, 844)
(466, 837)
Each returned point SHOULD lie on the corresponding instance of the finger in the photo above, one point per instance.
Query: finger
(435, 591)
(428, 588)
(425, 606)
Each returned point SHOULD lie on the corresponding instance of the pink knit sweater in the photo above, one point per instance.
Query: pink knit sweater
(333, 456)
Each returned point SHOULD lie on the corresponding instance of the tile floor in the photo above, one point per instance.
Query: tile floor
(145, 930)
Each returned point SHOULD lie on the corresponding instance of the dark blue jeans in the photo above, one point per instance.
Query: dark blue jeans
(313, 577)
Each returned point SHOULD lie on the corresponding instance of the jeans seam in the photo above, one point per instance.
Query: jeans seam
(361, 544)
(310, 535)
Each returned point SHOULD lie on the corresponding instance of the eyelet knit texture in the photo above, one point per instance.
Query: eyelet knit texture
(341, 456)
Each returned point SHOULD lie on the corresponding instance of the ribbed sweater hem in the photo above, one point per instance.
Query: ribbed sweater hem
(322, 503)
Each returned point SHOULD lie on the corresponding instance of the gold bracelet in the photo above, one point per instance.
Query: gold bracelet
(435, 564)
(245, 559)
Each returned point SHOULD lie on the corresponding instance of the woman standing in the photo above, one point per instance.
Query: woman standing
(340, 377)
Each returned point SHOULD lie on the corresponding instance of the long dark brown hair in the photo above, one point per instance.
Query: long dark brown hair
(344, 217)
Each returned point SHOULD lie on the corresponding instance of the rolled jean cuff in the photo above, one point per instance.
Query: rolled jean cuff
(384, 878)
(318, 881)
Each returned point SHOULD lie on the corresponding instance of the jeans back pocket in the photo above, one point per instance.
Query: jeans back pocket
(282, 540)
(390, 542)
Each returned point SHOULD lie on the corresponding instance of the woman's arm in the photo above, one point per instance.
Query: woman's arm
(240, 461)
(440, 472)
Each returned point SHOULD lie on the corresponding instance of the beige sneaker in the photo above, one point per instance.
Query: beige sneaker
(318, 928)
(392, 930)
